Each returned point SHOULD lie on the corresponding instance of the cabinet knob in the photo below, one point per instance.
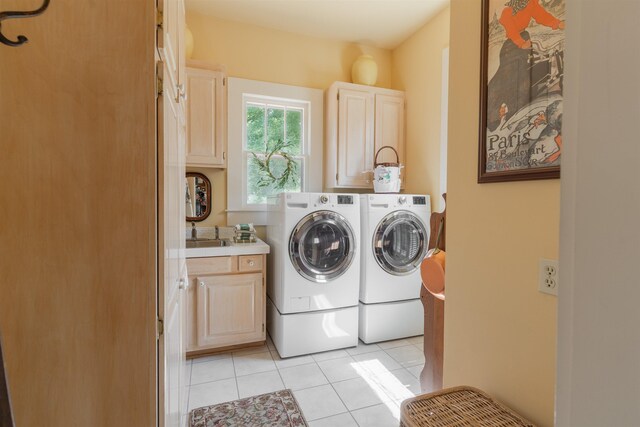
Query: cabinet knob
(251, 263)
(182, 284)
(202, 284)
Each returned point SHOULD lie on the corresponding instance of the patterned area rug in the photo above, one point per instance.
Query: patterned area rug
(277, 409)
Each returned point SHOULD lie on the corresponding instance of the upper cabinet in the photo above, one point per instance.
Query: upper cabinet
(206, 115)
(359, 121)
(170, 42)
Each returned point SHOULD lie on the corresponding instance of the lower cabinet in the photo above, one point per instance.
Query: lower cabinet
(226, 302)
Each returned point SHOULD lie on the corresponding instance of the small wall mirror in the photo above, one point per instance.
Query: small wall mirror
(198, 196)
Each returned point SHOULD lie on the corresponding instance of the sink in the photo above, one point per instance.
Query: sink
(206, 243)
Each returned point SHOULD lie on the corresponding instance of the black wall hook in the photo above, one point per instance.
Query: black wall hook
(14, 15)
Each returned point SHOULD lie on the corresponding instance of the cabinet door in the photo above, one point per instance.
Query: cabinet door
(230, 309)
(355, 138)
(389, 127)
(185, 374)
(172, 366)
(205, 118)
(171, 141)
(192, 320)
(170, 41)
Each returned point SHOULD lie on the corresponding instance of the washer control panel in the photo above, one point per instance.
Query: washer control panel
(345, 200)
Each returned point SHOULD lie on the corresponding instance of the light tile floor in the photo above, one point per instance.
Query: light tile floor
(360, 386)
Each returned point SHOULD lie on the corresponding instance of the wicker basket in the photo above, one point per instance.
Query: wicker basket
(458, 406)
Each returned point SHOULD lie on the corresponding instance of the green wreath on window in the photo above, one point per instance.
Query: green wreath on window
(267, 177)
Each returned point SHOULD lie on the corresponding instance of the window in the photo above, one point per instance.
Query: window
(274, 145)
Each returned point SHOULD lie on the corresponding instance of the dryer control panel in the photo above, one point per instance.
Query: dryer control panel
(419, 200)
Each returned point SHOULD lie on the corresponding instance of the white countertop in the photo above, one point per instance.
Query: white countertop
(256, 248)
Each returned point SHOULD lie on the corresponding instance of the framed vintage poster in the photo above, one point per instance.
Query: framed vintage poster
(521, 90)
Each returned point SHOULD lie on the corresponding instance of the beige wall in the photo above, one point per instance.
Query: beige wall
(500, 332)
(257, 53)
(416, 68)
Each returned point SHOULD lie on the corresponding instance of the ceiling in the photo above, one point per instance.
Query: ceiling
(379, 23)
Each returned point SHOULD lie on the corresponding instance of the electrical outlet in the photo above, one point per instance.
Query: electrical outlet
(548, 276)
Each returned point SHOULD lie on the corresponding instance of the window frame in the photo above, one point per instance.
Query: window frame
(286, 104)
(244, 91)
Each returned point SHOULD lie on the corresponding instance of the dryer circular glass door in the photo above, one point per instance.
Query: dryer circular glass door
(400, 243)
(322, 246)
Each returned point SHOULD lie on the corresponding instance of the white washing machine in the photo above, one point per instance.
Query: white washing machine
(395, 238)
(314, 272)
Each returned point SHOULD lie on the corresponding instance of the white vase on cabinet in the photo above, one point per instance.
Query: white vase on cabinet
(364, 70)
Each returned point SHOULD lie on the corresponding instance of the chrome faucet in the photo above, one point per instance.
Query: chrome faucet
(194, 231)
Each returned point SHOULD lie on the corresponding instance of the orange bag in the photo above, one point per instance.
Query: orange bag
(433, 267)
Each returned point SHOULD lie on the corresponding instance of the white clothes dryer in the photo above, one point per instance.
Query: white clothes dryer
(395, 238)
(314, 272)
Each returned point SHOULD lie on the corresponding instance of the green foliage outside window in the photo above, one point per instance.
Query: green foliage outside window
(274, 165)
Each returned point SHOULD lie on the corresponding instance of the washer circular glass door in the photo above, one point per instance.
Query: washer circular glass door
(322, 246)
(400, 243)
